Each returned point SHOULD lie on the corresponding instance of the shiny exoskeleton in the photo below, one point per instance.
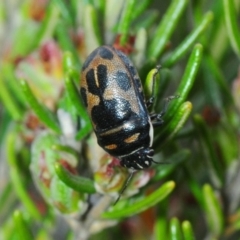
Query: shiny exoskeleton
(112, 93)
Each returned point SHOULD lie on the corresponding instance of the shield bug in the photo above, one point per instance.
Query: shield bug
(112, 93)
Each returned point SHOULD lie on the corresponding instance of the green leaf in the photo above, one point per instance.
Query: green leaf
(91, 29)
(187, 231)
(213, 211)
(66, 149)
(75, 98)
(22, 227)
(160, 227)
(145, 21)
(66, 11)
(80, 184)
(66, 43)
(181, 50)
(8, 101)
(149, 85)
(174, 126)
(47, 27)
(42, 112)
(186, 81)
(125, 21)
(207, 142)
(140, 7)
(175, 230)
(111, 18)
(8, 71)
(141, 205)
(171, 164)
(166, 28)
(213, 73)
(84, 131)
(194, 185)
(44, 156)
(140, 47)
(7, 199)
(16, 178)
(232, 24)
(179, 118)
(69, 64)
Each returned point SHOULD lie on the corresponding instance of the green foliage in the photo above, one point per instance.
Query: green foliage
(51, 165)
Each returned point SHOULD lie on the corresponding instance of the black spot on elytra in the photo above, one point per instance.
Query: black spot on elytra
(132, 70)
(102, 76)
(84, 96)
(91, 82)
(105, 53)
(123, 80)
(89, 59)
(97, 86)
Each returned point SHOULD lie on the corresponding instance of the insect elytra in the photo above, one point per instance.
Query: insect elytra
(112, 93)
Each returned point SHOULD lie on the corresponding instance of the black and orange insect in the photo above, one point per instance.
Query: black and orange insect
(112, 93)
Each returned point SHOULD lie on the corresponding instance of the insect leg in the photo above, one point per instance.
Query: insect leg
(150, 101)
(125, 185)
(157, 118)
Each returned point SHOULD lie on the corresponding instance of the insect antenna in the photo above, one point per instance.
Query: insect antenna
(125, 186)
(160, 162)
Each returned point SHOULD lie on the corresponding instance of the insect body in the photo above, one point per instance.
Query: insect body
(112, 93)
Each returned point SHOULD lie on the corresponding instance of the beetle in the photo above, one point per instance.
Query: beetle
(112, 92)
